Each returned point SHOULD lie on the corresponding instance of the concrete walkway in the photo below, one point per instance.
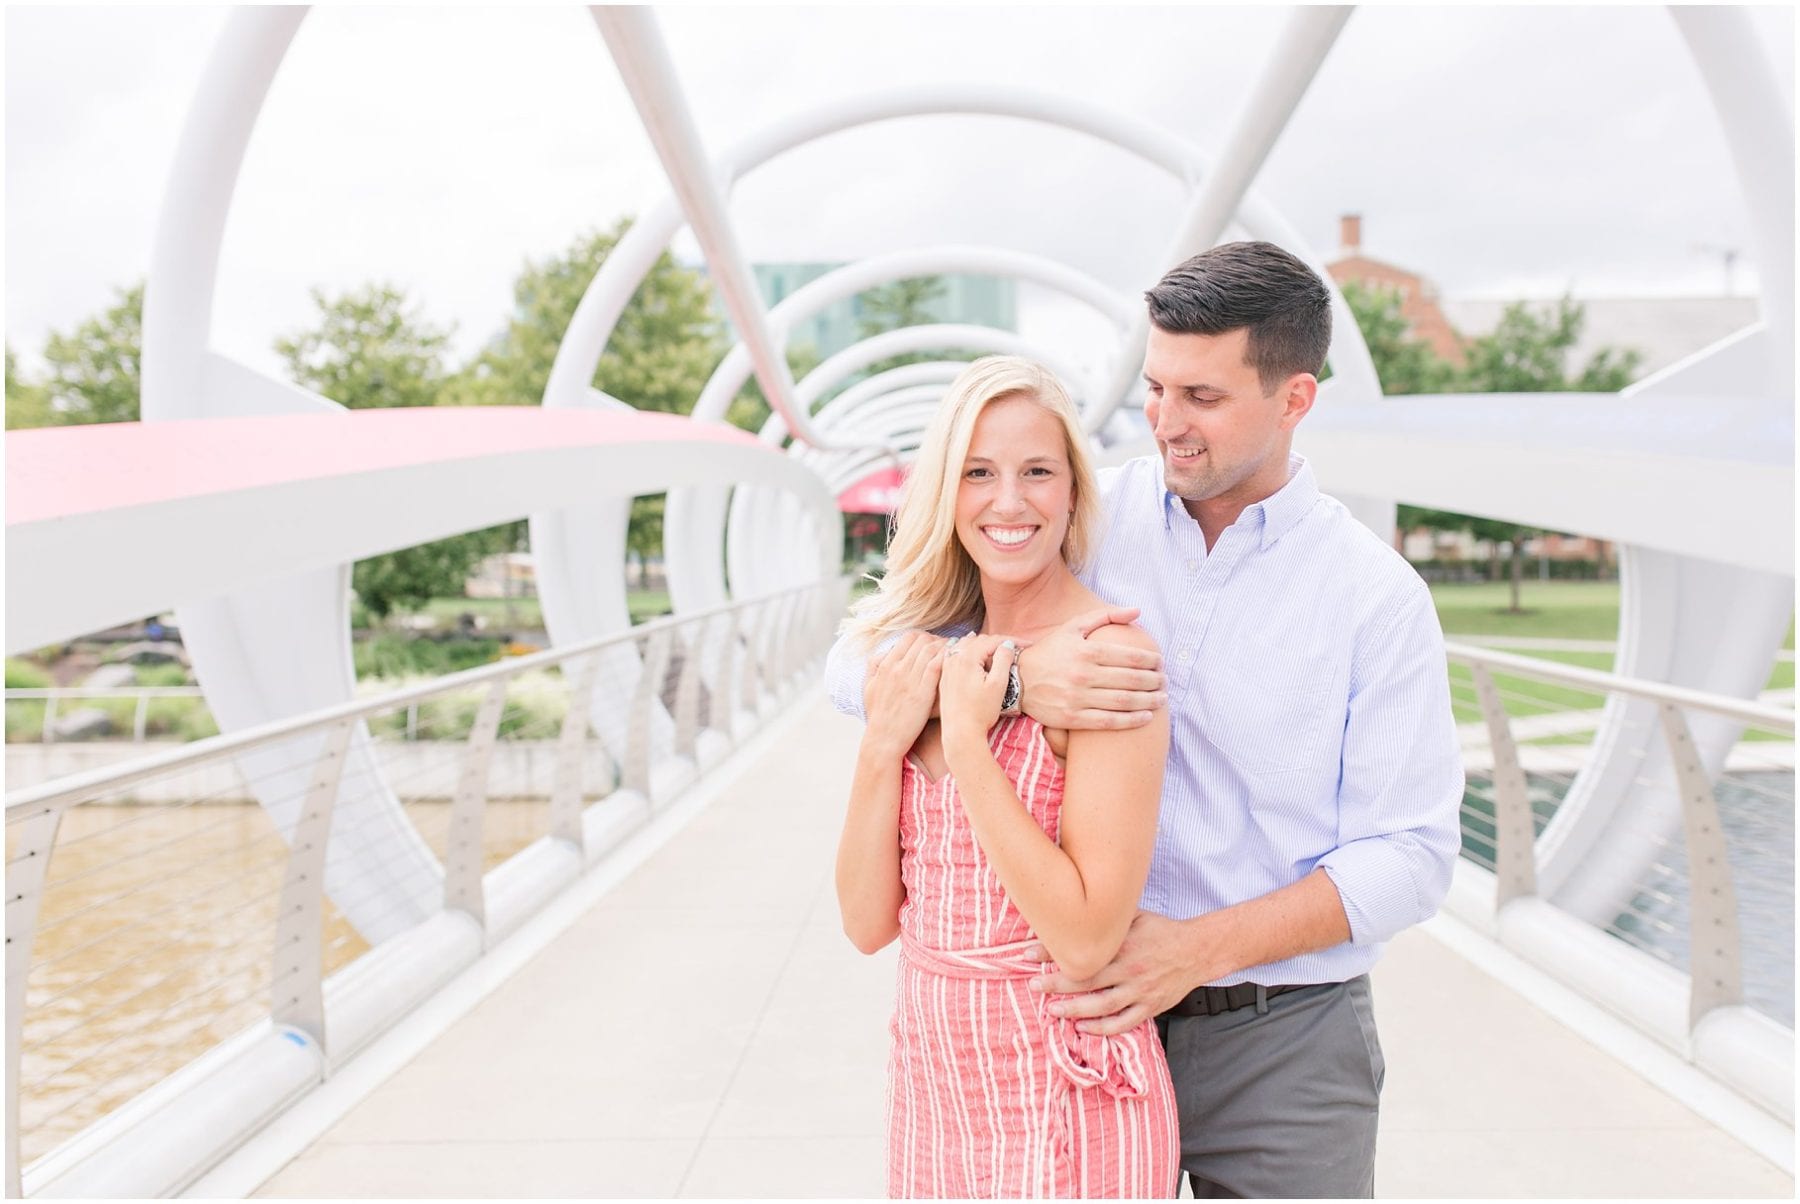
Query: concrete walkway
(705, 1030)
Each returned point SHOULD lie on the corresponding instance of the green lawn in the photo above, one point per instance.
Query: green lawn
(526, 614)
(1584, 610)
(1561, 610)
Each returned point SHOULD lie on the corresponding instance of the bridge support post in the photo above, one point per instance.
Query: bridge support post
(571, 749)
(25, 877)
(687, 690)
(463, 857)
(643, 705)
(297, 984)
(1515, 835)
(1715, 960)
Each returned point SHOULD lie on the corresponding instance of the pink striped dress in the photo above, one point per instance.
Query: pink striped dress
(988, 1095)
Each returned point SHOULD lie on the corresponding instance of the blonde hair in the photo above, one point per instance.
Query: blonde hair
(931, 582)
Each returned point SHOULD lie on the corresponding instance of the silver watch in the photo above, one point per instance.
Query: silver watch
(1009, 701)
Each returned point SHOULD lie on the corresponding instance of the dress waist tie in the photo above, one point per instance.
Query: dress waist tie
(1114, 1064)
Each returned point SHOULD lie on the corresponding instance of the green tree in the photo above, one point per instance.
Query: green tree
(1403, 363)
(27, 403)
(93, 371)
(370, 349)
(1527, 352)
(899, 304)
(750, 409)
(665, 345)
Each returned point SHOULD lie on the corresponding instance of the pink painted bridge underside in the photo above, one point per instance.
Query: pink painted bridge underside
(64, 471)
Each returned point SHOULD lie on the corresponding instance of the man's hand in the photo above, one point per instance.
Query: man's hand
(1154, 968)
(1163, 959)
(1070, 681)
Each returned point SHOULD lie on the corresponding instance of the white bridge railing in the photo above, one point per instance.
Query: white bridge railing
(1700, 955)
(176, 973)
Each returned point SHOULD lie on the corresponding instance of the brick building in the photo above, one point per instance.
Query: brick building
(1418, 296)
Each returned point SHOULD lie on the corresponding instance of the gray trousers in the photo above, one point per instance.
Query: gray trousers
(1281, 1104)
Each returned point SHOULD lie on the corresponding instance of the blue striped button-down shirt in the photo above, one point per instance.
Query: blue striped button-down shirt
(1309, 706)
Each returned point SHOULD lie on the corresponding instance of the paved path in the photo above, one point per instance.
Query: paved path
(706, 1030)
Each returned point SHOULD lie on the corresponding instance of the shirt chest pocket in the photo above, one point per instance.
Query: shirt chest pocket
(1270, 709)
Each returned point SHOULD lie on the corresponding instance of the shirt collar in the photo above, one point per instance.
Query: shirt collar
(1276, 514)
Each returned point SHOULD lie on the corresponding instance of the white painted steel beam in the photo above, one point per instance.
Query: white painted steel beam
(643, 61)
(1298, 54)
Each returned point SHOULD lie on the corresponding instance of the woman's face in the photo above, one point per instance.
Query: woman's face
(1016, 492)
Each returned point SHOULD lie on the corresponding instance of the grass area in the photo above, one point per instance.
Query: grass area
(535, 705)
(526, 614)
(1525, 696)
(1563, 610)
(648, 604)
(525, 611)
(1554, 610)
(24, 675)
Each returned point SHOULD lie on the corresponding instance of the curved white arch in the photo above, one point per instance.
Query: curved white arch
(183, 378)
(1686, 618)
(759, 543)
(694, 520)
(274, 649)
(576, 606)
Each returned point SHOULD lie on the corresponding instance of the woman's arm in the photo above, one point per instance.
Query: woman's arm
(901, 691)
(1081, 895)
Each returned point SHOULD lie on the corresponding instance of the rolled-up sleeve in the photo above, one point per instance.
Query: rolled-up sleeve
(1400, 798)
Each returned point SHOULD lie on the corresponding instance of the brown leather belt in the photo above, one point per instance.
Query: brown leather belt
(1211, 1001)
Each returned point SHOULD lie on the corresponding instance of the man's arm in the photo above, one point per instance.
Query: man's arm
(1076, 684)
(1400, 790)
(1163, 959)
(1400, 795)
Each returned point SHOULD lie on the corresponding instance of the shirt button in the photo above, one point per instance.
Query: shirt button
(1185, 655)
(1193, 566)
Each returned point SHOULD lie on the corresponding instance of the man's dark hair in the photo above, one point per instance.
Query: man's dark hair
(1259, 287)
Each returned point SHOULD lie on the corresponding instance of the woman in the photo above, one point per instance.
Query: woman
(973, 837)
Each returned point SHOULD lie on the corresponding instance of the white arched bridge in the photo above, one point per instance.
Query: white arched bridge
(606, 843)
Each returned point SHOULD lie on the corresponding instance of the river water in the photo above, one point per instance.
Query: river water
(155, 942)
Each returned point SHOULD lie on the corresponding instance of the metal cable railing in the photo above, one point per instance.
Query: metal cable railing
(140, 931)
(1528, 728)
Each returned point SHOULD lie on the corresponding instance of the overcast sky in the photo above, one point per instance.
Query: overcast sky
(1500, 152)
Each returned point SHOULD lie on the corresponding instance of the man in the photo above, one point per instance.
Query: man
(1310, 804)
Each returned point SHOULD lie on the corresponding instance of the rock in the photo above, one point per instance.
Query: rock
(151, 652)
(111, 677)
(82, 724)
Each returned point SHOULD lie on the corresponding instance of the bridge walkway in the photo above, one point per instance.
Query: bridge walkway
(704, 1029)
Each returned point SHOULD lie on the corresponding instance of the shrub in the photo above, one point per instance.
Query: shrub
(399, 656)
(162, 675)
(23, 675)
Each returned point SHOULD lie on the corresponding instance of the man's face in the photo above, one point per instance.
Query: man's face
(1221, 436)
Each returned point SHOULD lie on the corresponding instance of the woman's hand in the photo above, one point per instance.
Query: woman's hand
(902, 685)
(971, 690)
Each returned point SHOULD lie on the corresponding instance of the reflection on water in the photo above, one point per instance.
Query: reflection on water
(155, 941)
(1759, 844)
(1757, 812)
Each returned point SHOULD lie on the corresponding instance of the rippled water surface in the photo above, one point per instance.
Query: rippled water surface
(155, 942)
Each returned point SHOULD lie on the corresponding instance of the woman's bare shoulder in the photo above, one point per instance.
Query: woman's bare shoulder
(1126, 633)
